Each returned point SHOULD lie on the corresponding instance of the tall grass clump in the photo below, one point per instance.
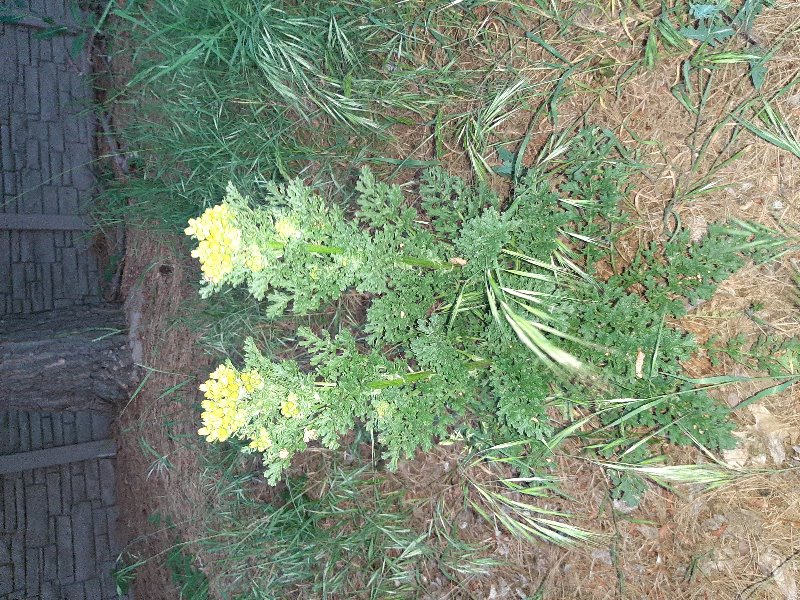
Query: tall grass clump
(343, 532)
(250, 92)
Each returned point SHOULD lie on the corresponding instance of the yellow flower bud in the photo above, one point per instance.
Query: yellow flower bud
(286, 229)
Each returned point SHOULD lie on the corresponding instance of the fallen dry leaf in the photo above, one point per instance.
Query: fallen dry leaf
(772, 564)
(773, 432)
(639, 363)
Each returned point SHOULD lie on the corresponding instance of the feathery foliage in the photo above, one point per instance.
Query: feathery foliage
(485, 312)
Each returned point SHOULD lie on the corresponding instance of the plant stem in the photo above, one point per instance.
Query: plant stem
(406, 260)
(398, 380)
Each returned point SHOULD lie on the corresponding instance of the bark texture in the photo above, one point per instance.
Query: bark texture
(68, 359)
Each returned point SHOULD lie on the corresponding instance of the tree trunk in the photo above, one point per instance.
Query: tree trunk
(68, 359)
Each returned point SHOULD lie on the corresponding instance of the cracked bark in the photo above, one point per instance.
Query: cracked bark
(68, 359)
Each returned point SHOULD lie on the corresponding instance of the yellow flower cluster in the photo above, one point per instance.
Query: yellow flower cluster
(254, 261)
(222, 410)
(382, 409)
(261, 441)
(286, 230)
(251, 381)
(218, 241)
(289, 407)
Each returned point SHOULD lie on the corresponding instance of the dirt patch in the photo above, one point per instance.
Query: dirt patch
(158, 485)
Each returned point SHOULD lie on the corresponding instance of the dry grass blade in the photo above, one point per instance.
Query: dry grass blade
(772, 127)
(508, 502)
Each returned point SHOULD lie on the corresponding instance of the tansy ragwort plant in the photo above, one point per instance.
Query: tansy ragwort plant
(483, 313)
(303, 253)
